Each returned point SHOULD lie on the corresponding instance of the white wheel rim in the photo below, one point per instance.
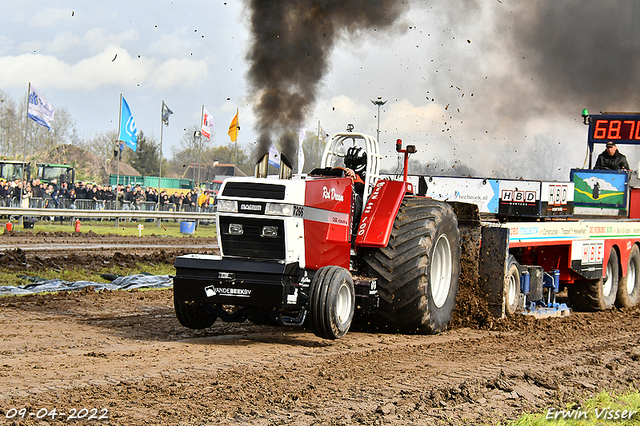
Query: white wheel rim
(440, 274)
(343, 304)
(631, 277)
(512, 290)
(606, 287)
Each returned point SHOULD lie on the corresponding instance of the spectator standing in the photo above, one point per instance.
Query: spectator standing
(72, 198)
(127, 198)
(25, 195)
(203, 201)
(176, 201)
(164, 200)
(138, 198)
(151, 196)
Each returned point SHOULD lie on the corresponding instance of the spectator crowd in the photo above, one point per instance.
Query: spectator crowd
(85, 195)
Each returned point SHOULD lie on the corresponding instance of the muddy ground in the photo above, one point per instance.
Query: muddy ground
(124, 356)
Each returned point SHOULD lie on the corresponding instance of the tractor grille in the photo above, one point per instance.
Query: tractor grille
(254, 190)
(251, 244)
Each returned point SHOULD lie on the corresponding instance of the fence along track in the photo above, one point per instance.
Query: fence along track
(72, 214)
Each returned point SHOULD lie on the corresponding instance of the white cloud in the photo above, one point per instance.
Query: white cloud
(30, 46)
(179, 73)
(349, 107)
(415, 119)
(103, 69)
(97, 38)
(49, 17)
(63, 41)
(174, 44)
(89, 73)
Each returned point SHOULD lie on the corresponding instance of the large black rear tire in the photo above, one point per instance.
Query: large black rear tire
(418, 271)
(332, 302)
(193, 314)
(600, 294)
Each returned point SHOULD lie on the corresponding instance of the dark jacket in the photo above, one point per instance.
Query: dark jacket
(616, 161)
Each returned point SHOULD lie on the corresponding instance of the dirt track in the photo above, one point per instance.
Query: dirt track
(125, 352)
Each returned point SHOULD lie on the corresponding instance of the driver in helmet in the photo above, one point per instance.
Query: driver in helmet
(355, 161)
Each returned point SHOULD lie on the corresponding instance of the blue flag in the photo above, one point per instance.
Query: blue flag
(128, 129)
(39, 109)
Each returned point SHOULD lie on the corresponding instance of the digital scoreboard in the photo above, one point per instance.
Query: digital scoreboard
(619, 128)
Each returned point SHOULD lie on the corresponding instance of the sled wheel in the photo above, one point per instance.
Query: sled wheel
(193, 314)
(263, 316)
(512, 287)
(629, 286)
(418, 271)
(600, 294)
(331, 302)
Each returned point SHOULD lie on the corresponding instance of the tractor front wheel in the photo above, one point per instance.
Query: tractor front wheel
(418, 271)
(332, 302)
(193, 314)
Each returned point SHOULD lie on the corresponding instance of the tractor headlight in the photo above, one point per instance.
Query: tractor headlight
(269, 231)
(278, 209)
(227, 206)
(236, 229)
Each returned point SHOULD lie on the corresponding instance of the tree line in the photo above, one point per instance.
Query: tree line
(44, 145)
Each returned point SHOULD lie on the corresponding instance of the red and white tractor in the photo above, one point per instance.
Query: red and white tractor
(304, 250)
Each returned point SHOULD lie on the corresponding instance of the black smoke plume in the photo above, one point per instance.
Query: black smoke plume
(582, 53)
(292, 42)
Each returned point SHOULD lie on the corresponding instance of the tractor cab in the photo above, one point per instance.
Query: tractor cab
(336, 150)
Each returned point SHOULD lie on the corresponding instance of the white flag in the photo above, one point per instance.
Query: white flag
(40, 110)
(207, 123)
(274, 156)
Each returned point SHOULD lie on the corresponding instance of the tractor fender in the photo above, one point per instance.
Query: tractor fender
(374, 229)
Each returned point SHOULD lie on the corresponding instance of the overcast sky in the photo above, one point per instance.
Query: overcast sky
(465, 80)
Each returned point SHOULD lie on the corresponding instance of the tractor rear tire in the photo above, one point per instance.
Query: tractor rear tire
(193, 315)
(629, 285)
(600, 294)
(332, 302)
(512, 288)
(418, 270)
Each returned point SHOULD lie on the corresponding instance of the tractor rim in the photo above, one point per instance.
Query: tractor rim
(440, 276)
(631, 277)
(608, 283)
(511, 290)
(343, 303)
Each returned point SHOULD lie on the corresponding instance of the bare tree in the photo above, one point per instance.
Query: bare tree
(512, 164)
(10, 127)
(546, 159)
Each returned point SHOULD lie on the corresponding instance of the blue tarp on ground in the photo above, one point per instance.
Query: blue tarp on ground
(121, 283)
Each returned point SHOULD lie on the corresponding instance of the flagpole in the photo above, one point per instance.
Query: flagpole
(120, 116)
(161, 137)
(119, 152)
(235, 148)
(24, 144)
(317, 143)
(200, 147)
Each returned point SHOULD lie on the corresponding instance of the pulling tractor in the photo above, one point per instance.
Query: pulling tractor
(311, 250)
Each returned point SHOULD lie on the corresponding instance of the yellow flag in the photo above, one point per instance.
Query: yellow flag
(234, 127)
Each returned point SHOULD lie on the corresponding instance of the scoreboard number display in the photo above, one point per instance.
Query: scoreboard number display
(617, 128)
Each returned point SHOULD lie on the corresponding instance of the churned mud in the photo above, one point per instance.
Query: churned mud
(123, 356)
